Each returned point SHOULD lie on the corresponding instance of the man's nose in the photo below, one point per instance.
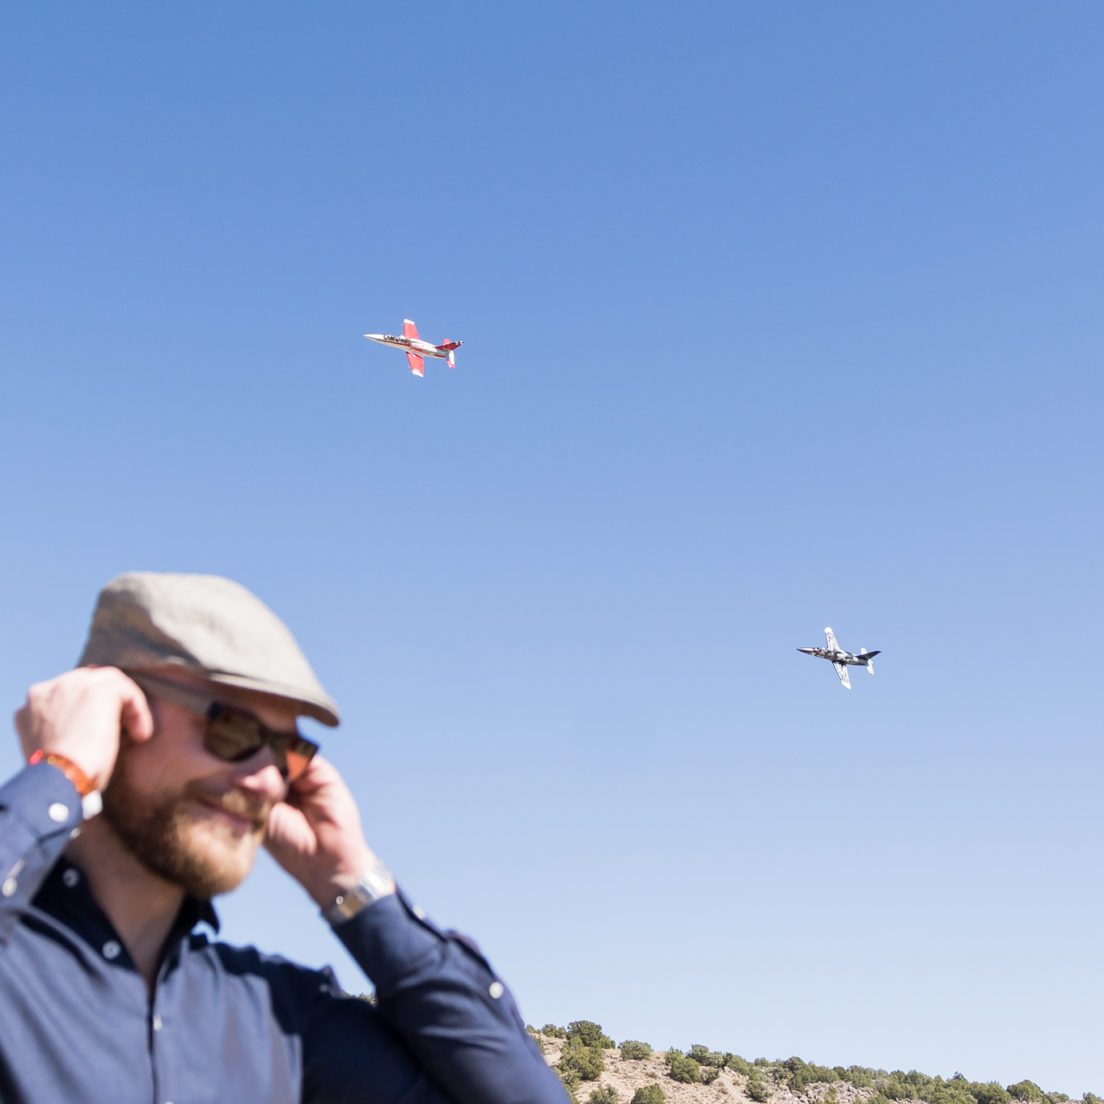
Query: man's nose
(262, 775)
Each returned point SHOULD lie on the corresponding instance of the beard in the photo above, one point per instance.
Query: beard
(178, 837)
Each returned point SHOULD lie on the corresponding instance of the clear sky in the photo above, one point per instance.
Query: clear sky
(776, 316)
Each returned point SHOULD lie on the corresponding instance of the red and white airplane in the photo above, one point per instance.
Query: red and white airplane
(416, 348)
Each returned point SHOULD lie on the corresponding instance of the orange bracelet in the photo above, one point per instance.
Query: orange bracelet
(84, 784)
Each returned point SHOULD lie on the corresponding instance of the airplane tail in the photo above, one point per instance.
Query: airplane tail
(870, 661)
(450, 348)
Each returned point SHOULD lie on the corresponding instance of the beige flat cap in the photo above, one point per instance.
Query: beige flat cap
(206, 625)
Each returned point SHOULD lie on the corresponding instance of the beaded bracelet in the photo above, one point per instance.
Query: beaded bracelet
(84, 784)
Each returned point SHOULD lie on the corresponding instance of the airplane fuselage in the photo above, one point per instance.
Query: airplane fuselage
(835, 655)
(410, 344)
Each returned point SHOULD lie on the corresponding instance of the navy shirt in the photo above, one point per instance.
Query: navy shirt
(77, 1022)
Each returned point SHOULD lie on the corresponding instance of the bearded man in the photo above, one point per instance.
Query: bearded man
(154, 771)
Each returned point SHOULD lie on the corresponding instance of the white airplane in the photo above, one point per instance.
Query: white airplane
(841, 660)
(416, 348)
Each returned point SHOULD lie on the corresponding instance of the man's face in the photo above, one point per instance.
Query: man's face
(189, 817)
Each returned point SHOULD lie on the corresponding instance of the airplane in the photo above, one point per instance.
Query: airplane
(416, 348)
(841, 660)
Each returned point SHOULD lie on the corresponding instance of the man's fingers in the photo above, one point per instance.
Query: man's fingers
(135, 716)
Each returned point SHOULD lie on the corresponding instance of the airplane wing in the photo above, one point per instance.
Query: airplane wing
(409, 329)
(831, 638)
(841, 670)
(417, 364)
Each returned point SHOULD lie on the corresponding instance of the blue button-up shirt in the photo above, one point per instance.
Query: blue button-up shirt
(78, 1023)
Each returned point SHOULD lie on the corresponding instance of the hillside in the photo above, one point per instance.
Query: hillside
(602, 1072)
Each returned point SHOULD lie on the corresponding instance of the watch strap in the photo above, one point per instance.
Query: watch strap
(376, 882)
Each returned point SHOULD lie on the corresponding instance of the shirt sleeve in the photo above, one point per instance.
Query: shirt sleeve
(39, 811)
(448, 1013)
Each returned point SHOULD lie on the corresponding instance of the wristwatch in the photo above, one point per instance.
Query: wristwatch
(374, 883)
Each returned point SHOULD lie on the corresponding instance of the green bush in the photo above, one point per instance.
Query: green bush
(1091, 1098)
(706, 1057)
(631, 1048)
(648, 1094)
(588, 1034)
(737, 1064)
(554, 1031)
(990, 1093)
(709, 1074)
(938, 1091)
(803, 1074)
(570, 1082)
(684, 1069)
(586, 1062)
(604, 1094)
(895, 1089)
(1029, 1091)
(757, 1087)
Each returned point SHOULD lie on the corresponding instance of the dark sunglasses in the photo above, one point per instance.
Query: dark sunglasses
(231, 734)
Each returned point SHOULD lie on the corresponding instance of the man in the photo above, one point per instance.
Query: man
(180, 722)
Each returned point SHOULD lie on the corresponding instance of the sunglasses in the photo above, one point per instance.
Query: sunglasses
(230, 734)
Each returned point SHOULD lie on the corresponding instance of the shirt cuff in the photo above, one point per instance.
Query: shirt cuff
(391, 939)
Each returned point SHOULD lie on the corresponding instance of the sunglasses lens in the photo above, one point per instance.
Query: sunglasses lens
(298, 752)
(233, 736)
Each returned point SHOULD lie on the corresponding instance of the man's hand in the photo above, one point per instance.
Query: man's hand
(81, 714)
(315, 834)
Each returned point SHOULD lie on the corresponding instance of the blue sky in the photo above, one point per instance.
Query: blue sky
(775, 316)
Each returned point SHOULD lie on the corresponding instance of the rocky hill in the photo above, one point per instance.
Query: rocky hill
(595, 1073)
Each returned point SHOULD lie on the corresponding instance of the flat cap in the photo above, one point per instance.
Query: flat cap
(208, 626)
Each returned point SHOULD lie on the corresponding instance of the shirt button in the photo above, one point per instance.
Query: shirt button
(497, 989)
(111, 949)
(58, 812)
(9, 887)
(156, 1022)
(418, 911)
(70, 877)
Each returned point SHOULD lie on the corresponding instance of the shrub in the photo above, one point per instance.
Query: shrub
(554, 1031)
(1091, 1098)
(757, 1087)
(738, 1064)
(709, 1074)
(630, 1048)
(570, 1082)
(1028, 1090)
(990, 1093)
(895, 1089)
(589, 1034)
(648, 1094)
(706, 1057)
(586, 1062)
(684, 1069)
(938, 1091)
(605, 1094)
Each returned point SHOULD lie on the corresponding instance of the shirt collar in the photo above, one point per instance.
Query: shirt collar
(66, 896)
